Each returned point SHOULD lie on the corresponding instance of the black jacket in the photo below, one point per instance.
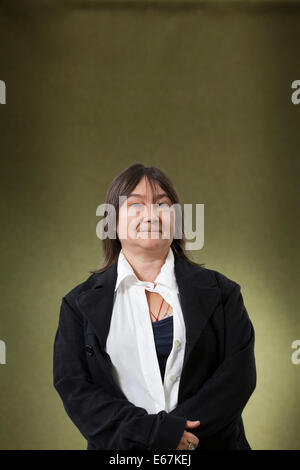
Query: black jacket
(217, 380)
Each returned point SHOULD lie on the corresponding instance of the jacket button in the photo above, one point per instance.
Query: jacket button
(89, 350)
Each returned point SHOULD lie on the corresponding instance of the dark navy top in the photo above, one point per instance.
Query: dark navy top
(163, 337)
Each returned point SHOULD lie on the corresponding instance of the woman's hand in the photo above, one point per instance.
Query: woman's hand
(188, 436)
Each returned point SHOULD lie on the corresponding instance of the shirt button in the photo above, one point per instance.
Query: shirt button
(177, 343)
(89, 350)
(173, 378)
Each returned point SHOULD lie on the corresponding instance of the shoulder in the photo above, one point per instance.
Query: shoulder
(203, 276)
(212, 278)
(86, 285)
(228, 288)
(224, 281)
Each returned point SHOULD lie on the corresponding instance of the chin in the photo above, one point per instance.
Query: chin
(152, 244)
(150, 241)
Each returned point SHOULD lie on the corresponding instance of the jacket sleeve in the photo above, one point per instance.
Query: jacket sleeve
(108, 422)
(224, 395)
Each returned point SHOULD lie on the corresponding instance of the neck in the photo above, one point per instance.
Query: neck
(146, 266)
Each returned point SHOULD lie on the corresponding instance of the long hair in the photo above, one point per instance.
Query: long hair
(122, 185)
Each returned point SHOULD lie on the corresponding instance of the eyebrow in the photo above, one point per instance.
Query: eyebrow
(159, 196)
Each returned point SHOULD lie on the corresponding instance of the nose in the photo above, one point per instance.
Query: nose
(150, 214)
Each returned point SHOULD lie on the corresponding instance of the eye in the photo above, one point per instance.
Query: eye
(134, 203)
(164, 204)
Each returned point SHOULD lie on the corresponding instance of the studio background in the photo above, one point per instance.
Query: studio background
(203, 91)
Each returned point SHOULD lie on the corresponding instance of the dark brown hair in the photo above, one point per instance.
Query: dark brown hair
(122, 185)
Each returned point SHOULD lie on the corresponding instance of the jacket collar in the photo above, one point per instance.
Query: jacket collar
(198, 291)
(165, 277)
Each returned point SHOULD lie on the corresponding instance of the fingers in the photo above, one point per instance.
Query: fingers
(192, 424)
(189, 437)
(193, 439)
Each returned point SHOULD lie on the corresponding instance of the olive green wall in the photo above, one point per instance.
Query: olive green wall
(200, 89)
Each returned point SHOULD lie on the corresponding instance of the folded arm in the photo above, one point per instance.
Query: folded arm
(107, 421)
(224, 395)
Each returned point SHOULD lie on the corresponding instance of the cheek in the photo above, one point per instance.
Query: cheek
(132, 224)
(167, 219)
(127, 224)
(123, 217)
(122, 224)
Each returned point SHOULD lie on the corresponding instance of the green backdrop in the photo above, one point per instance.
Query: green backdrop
(200, 89)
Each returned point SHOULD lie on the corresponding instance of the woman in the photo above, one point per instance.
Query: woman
(154, 351)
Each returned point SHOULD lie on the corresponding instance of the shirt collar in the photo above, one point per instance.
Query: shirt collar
(166, 277)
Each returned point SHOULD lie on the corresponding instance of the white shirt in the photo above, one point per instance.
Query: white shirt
(130, 342)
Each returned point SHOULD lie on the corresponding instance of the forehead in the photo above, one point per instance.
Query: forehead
(144, 190)
(145, 187)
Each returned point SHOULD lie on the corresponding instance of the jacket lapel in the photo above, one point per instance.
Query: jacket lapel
(96, 304)
(198, 293)
(199, 297)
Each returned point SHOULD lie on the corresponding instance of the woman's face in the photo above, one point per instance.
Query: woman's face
(143, 225)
